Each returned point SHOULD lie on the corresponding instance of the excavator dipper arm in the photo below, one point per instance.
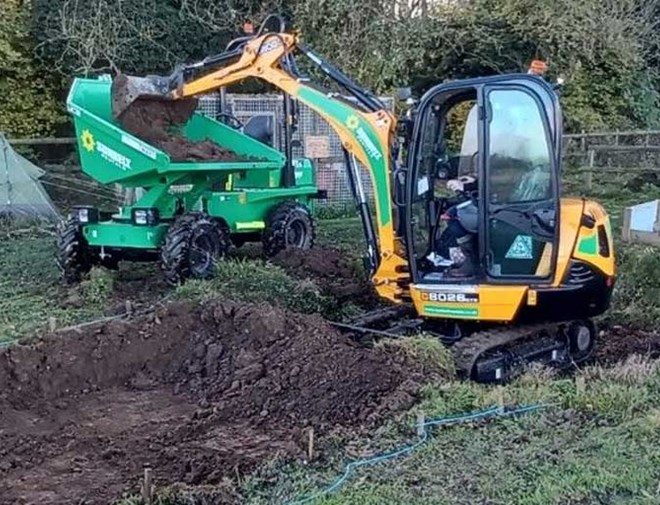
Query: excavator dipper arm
(366, 129)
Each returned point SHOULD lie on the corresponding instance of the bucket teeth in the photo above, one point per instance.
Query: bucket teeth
(127, 89)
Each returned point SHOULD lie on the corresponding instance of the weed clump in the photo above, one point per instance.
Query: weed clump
(97, 288)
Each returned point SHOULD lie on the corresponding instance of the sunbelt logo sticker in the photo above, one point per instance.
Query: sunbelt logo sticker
(90, 144)
(353, 123)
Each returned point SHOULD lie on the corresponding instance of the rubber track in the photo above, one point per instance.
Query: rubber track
(467, 350)
(274, 238)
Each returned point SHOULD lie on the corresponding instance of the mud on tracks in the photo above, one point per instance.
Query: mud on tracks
(200, 392)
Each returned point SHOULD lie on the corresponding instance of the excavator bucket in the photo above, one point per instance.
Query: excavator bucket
(127, 89)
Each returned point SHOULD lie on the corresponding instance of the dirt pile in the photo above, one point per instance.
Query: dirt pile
(618, 342)
(335, 274)
(198, 392)
(154, 121)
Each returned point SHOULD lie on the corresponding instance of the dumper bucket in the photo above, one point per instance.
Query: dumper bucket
(127, 89)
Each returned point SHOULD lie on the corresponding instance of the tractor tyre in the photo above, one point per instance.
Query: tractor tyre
(290, 224)
(193, 243)
(74, 257)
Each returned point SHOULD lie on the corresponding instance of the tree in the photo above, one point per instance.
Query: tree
(607, 49)
(604, 48)
(29, 104)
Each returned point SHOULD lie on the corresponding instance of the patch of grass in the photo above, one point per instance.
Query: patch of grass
(257, 281)
(426, 349)
(97, 288)
(636, 298)
(345, 234)
(29, 286)
(334, 211)
(573, 452)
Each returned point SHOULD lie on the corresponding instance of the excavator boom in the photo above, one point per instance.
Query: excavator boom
(365, 127)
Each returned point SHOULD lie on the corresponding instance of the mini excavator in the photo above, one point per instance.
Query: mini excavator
(542, 266)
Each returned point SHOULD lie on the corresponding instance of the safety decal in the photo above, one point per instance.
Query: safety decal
(521, 249)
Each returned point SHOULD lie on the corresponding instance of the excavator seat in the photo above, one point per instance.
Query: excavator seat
(260, 128)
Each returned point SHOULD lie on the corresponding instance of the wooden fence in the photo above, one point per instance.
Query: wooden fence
(590, 153)
(582, 151)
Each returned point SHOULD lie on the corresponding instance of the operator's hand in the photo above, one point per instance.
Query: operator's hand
(460, 183)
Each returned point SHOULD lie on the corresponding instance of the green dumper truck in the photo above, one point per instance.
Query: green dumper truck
(191, 211)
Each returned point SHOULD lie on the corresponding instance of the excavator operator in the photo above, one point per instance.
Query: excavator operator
(456, 246)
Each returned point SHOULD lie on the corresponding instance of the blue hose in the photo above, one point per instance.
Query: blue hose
(443, 421)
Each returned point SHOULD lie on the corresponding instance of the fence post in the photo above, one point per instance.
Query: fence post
(625, 230)
(588, 175)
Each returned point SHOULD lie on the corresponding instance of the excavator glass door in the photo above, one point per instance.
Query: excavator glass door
(482, 188)
(520, 185)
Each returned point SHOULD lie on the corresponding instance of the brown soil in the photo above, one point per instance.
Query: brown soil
(618, 342)
(198, 392)
(155, 120)
(335, 274)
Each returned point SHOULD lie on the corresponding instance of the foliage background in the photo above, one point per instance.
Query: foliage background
(608, 50)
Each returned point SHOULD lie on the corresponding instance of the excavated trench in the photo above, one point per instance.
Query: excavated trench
(198, 392)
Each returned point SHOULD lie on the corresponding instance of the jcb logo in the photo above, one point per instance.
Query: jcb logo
(451, 297)
(269, 46)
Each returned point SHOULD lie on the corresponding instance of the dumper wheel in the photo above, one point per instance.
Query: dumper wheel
(290, 224)
(194, 242)
(74, 257)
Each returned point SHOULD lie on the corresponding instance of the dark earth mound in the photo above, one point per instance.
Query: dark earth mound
(154, 121)
(200, 393)
(618, 342)
(333, 271)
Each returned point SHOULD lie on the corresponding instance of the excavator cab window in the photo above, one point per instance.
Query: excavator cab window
(521, 204)
(485, 156)
(448, 151)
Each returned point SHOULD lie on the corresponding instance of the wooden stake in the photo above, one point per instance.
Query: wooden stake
(500, 398)
(580, 384)
(421, 429)
(129, 307)
(310, 444)
(52, 324)
(147, 486)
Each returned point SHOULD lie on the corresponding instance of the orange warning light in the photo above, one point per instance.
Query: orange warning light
(538, 67)
(248, 27)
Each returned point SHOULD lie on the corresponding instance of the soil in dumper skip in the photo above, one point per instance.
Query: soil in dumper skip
(198, 392)
(154, 121)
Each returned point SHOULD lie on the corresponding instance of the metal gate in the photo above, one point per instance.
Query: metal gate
(313, 139)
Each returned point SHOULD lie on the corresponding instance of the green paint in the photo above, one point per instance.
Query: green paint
(588, 245)
(112, 155)
(124, 235)
(368, 139)
(436, 310)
